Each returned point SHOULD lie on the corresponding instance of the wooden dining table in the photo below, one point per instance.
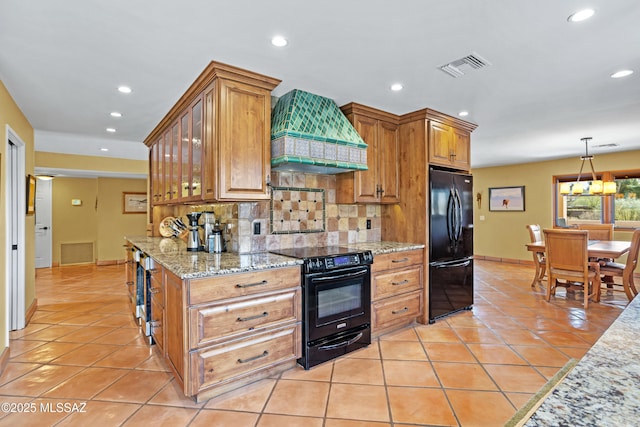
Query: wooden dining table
(595, 248)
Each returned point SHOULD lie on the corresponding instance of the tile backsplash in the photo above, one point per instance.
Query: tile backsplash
(343, 224)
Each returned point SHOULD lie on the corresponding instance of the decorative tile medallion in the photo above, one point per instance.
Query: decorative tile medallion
(297, 210)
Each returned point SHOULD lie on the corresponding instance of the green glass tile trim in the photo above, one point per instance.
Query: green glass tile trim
(304, 115)
(276, 161)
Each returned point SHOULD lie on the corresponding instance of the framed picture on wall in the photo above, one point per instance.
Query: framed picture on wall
(507, 199)
(31, 194)
(134, 203)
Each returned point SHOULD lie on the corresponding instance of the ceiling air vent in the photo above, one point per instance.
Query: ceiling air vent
(458, 67)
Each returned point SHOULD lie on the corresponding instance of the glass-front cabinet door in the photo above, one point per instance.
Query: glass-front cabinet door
(166, 167)
(196, 150)
(175, 161)
(153, 173)
(185, 159)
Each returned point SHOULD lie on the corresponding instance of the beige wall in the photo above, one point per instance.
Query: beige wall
(99, 219)
(107, 164)
(503, 234)
(11, 115)
(113, 225)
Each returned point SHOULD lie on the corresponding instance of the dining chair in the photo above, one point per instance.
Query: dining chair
(568, 259)
(598, 231)
(626, 270)
(535, 233)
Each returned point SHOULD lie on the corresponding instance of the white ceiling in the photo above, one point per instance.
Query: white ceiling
(548, 84)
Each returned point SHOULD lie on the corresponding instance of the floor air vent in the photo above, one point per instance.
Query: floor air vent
(458, 67)
(76, 253)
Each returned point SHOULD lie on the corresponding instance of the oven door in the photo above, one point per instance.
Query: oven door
(337, 301)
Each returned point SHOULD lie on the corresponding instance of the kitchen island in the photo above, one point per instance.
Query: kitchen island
(223, 320)
(604, 387)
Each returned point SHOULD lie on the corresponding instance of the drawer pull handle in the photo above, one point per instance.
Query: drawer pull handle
(403, 282)
(404, 310)
(154, 291)
(130, 283)
(248, 285)
(155, 324)
(152, 270)
(257, 316)
(405, 259)
(251, 359)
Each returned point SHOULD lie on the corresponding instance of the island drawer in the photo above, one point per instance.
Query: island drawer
(207, 290)
(241, 358)
(395, 282)
(396, 310)
(396, 260)
(232, 317)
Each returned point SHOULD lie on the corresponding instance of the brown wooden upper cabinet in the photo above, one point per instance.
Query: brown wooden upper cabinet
(378, 184)
(448, 138)
(449, 146)
(214, 144)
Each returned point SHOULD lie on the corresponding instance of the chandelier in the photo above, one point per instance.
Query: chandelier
(596, 186)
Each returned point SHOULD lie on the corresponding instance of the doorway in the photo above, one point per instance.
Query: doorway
(43, 224)
(15, 226)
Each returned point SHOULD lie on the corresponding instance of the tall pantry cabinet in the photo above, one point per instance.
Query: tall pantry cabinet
(426, 137)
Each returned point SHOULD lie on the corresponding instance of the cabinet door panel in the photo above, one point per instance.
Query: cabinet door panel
(366, 181)
(388, 159)
(196, 150)
(175, 161)
(174, 330)
(185, 156)
(440, 148)
(462, 146)
(245, 122)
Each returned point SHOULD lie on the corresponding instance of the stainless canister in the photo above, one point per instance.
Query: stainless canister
(215, 241)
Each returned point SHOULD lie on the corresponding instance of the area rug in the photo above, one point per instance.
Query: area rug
(524, 413)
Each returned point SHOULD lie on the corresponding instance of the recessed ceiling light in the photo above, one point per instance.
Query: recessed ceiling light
(124, 89)
(104, 149)
(396, 87)
(279, 41)
(581, 15)
(115, 114)
(463, 113)
(112, 130)
(621, 73)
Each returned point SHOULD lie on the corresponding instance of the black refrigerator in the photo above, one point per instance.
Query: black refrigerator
(450, 242)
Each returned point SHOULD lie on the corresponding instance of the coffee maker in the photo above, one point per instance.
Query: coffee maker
(193, 238)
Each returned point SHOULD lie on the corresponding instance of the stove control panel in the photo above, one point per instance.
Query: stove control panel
(334, 262)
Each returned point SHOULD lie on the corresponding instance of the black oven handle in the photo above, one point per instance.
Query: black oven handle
(341, 343)
(340, 276)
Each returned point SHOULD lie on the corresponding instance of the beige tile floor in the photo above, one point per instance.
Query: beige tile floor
(474, 368)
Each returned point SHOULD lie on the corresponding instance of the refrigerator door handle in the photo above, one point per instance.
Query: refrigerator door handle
(458, 215)
(451, 217)
(464, 263)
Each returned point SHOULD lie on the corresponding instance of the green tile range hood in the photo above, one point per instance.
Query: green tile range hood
(309, 133)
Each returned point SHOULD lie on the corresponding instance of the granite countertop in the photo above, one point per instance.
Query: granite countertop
(384, 247)
(603, 389)
(172, 254)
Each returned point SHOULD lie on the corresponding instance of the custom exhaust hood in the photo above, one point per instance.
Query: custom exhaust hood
(310, 134)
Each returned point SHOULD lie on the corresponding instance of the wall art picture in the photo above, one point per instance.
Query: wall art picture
(134, 203)
(507, 199)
